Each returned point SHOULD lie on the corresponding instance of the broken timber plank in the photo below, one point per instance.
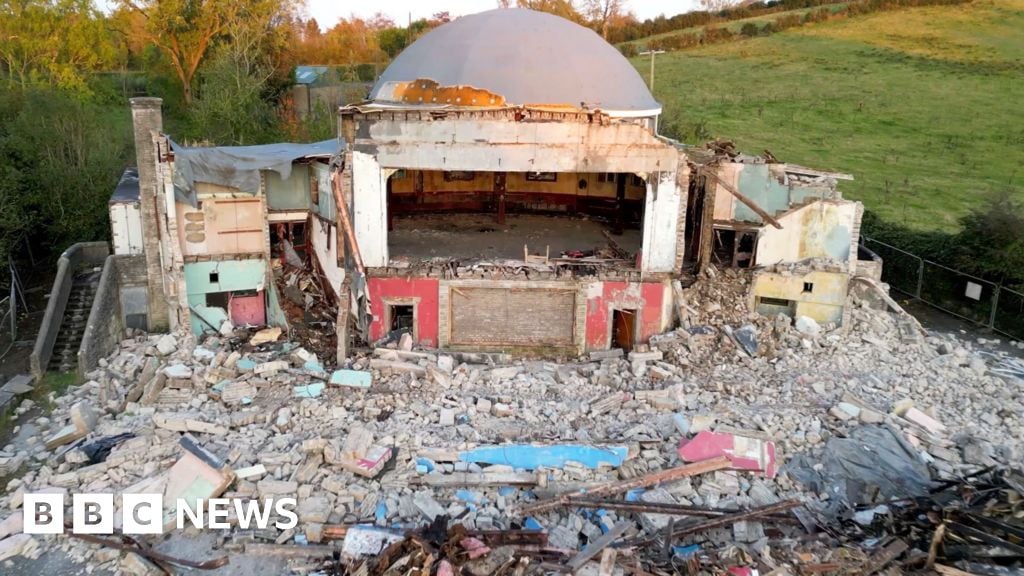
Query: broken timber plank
(478, 479)
(595, 547)
(660, 508)
(290, 551)
(729, 520)
(620, 486)
(883, 557)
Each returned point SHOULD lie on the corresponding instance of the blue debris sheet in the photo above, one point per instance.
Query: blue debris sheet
(531, 456)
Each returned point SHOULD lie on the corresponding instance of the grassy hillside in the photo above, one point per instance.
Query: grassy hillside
(924, 106)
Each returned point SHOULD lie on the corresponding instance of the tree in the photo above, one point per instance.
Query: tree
(991, 241)
(563, 8)
(603, 13)
(53, 42)
(184, 30)
(718, 5)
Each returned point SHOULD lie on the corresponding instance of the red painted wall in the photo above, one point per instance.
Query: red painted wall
(426, 311)
(647, 300)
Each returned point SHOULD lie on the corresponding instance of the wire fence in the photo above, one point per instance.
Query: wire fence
(952, 291)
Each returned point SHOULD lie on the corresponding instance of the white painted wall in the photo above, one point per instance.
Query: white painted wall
(369, 196)
(325, 246)
(661, 218)
(126, 228)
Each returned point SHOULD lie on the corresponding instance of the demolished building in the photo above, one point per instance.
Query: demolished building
(502, 200)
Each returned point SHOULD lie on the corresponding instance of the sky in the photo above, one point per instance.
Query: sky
(327, 12)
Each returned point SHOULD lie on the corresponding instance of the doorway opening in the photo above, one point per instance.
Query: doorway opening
(623, 329)
(401, 318)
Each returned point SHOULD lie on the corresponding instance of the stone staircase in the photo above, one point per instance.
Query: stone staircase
(76, 316)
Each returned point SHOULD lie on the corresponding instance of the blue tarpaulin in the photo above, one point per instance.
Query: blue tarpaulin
(531, 457)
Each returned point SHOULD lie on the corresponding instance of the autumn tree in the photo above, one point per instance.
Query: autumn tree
(603, 14)
(53, 42)
(184, 31)
(563, 8)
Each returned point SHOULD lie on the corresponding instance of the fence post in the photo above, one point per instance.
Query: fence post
(995, 307)
(920, 276)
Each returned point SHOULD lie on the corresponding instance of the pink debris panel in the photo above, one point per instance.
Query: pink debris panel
(744, 453)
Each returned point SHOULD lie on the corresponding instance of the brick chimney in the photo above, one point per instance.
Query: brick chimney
(147, 124)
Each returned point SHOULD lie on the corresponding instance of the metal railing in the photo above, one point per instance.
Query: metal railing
(965, 296)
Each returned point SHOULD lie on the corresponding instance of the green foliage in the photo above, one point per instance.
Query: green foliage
(231, 107)
(991, 241)
(60, 158)
(921, 106)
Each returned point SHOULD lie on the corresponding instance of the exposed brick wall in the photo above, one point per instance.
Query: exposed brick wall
(147, 125)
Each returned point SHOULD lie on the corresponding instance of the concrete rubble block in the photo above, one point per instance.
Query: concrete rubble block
(13, 524)
(179, 423)
(405, 341)
(84, 416)
(605, 354)
(447, 417)
(314, 445)
(269, 487)
(397, 367)
(135, 565)
(151, 391)
(167, 344)
(744, 453)
(923, 420)
(657, 495)
(483, 406)
(309, 467)
(702, 422)
(807, 326)
(283, 419)
(609, 403)
(446, 363)
(651, 356)
(502, 410)
(426, 505)
(19, 545)
(441, 377)
(270, 368)
(236, 392)
(251, 472)
(357, 443)
(178, 372)
(314, 509)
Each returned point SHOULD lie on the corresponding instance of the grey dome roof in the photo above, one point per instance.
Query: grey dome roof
(526, 56)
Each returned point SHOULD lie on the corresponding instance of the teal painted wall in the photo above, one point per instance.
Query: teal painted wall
(289, 194)
(757, 183)
(232, 276)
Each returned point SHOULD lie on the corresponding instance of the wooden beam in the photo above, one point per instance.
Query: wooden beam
(750, 203)
(620, 486)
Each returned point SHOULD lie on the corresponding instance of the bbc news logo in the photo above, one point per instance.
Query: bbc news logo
(144, 513)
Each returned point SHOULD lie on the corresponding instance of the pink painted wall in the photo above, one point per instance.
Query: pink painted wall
(645, 297)
(426, 310)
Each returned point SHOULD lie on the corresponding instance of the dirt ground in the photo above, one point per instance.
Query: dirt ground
(480, 236)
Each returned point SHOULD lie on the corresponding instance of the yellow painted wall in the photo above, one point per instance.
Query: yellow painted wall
(566, 183)
(824, 303)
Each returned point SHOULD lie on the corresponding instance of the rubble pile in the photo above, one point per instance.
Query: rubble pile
(735, 442)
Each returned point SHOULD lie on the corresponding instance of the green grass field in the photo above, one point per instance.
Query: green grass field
(924, 106)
